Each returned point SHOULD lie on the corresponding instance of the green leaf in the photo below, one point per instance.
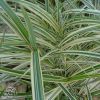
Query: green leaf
(67, 92)
(81, 53)
(58, 7)
(47, 5)
(39, 12)
(22, 30)
(88, 93)
(52, 94)
(89, 4)
(36, 74)
(31, 34)
(88, 70)
(36, 77)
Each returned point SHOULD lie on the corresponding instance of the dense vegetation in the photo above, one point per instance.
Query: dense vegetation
(51, 49)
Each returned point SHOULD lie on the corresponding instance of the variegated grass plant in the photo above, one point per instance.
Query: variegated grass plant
(54, 47)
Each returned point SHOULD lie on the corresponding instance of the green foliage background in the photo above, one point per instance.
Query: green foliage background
(53, 48)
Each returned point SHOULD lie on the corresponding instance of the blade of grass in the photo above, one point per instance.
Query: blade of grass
(47, 5)
(36, 77)
(88, 93)
(67, 92)
(23, 32)
(36, 72)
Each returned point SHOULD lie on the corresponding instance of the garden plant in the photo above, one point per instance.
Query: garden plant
(51, 48)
